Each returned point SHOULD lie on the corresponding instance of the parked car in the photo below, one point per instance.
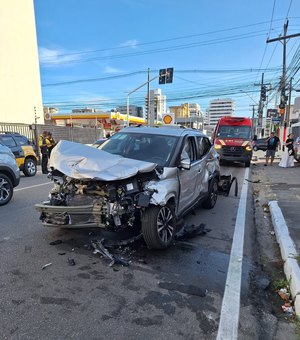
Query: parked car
(259, 144)
(142, 178)
(9, 174)
(22, 149)
(297, 149)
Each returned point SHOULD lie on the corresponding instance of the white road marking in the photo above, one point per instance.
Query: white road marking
(230, 311)
(33, 186)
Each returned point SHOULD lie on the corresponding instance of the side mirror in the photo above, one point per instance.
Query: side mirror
(185, 164)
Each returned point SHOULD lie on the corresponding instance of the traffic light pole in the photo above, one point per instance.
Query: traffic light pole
(145, 83)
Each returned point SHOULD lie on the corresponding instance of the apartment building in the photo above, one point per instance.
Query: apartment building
(219, 108)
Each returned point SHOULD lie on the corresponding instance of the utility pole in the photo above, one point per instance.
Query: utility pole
(288, 114)
(253, 122)
(283, 99)
(148, 97)
(262, 99)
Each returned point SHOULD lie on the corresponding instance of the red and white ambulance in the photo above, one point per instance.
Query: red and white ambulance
(233, 138)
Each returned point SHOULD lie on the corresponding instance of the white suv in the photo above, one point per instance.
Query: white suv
(9, 174)
(142, 178)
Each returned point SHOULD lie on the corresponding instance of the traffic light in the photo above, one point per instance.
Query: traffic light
(169, 75)
(162, 76)
(263, 93)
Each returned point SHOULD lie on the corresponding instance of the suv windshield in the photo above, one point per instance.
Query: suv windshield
(234, 131)
(145, 147)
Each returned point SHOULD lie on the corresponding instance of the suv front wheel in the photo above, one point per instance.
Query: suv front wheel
(29, 167)
(158, 226)
(6, 189)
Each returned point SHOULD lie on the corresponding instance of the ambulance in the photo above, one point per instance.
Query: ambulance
(232, 139)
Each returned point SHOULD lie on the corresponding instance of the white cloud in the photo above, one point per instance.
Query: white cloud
(109, 69)
(55, 57)
(130, 43)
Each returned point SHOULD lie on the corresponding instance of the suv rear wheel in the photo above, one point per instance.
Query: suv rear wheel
(29, 167)
(212, 196)
(6, 189)
(158, 226)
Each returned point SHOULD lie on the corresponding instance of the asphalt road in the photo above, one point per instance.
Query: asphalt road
(173, 294)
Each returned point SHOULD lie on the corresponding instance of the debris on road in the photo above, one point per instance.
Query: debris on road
(249, 180)
(99, 248)
(225, 184)
(47, 265)
(71, 262)
(189, 231)
(284, 294)
(288, 310)
(54, 243)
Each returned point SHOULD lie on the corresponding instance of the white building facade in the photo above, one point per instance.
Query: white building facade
(158, 104)
(219, 108)
(20, 95)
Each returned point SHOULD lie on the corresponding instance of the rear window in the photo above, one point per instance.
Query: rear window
(8, 141)
(22, 140)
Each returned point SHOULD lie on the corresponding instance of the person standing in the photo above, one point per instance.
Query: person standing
(272, 143)
(51, 142)
(287, 159)
(43, 144)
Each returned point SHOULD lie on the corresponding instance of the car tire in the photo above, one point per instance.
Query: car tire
(6, 189)
(255, 148)
(247, 164)
(212, 196)
(159, 226)
(30, 167)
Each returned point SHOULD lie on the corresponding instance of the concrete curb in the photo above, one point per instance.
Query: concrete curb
(288, 253)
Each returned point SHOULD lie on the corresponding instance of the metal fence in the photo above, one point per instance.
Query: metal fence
(83, 135)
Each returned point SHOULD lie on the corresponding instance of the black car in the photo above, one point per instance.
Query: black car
(259, 144)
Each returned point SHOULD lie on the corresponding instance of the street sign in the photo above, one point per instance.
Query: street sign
(272, 113)
(168, 118)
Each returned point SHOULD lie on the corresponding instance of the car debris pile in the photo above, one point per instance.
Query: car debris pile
(225, 184)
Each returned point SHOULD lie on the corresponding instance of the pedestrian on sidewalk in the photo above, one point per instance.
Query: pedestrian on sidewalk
(272, 142)
(43, 144)
(287, 159)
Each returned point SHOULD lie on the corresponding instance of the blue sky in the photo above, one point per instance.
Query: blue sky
(93, 53)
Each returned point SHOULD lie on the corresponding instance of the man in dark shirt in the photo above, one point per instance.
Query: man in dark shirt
(272, 143)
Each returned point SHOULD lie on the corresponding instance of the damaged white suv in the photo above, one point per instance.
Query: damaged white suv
(142, 178)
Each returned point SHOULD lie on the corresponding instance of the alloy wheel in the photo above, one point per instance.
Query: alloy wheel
(165, 225)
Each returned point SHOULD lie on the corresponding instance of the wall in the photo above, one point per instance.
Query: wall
(19, 65)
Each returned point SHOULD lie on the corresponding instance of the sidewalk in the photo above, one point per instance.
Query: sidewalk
(283, 185)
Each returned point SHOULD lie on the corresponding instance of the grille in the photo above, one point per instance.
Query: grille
(233, 151)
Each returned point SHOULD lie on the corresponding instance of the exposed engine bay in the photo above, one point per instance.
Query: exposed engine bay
(93, 203)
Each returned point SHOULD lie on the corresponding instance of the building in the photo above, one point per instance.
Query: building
(158, 104)
(20, 95)
(136, 111)
(188, 114)
(219, 108)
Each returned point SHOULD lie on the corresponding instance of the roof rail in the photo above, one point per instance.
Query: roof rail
(9, 132)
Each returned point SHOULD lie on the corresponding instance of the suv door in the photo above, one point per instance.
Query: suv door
(187, 178)
(203, 147)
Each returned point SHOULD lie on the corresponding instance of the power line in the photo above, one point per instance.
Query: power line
(162, 40)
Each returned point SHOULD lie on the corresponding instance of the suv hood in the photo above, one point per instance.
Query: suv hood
(80, 161)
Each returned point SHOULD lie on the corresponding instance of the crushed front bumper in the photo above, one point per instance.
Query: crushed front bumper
(84, 216)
